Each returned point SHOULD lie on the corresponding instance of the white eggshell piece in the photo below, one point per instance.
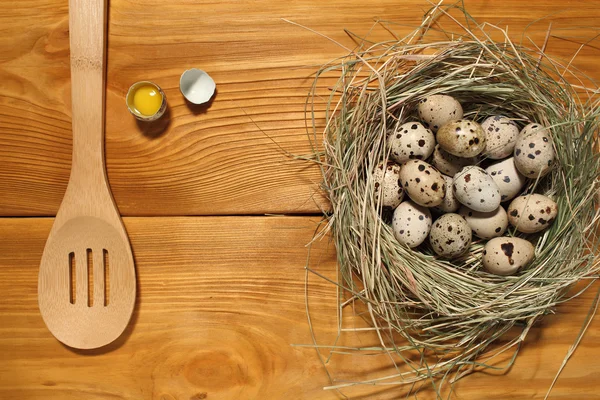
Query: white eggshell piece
(532, 213)
(500, 136)
(411, 141)
(508, 178)
(507, 255)
(534, 154)
(423, 183)
(450, 235)
(197, 86)
(486, 225)
(462, 138)
(438, 109)
(474, 188)
(411, 223)
(387, 180)
(450, 164)
(449, 204)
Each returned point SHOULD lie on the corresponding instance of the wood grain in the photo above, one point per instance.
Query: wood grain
(221, 304)
(224, 158)
(222, 299)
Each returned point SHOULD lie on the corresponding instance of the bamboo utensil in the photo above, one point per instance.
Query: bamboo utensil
(86, 286)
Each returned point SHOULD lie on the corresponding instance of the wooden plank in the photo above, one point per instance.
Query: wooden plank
(225, 158)
(221, 302)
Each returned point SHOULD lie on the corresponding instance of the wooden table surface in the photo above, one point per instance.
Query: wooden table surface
(217, 215)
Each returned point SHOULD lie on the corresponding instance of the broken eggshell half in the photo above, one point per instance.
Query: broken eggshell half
(197, 86)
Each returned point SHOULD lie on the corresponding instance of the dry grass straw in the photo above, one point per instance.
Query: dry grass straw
(451, 314)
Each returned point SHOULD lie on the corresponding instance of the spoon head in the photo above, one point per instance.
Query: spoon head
(86, 285)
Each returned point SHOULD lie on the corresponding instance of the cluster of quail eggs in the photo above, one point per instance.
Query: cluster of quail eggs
(435, 170)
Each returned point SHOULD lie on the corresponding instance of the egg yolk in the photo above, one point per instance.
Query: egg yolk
(147, 100)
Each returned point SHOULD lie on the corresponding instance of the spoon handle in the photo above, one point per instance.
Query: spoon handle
(87, 25)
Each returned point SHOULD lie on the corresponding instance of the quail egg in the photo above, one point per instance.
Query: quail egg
(438, 109)
(486, 225)
(507, 255)
(423, 183)
(532, 213)
(449, 204)
(474, 188)
(411, 141)
(534, 154)
(449, 164)
(387, 181)
(411, 223)
(500, 136)
(462, 138)
(450, 235)
(508, 178)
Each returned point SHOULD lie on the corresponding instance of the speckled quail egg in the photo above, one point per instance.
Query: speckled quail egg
(508, 178)
(439, 109)
(474, 188)
(387, 181)
(450, 235)
(486, 225)
(449, 204)
(462, 138)
(411, 141)
(449, 164)
(507, 255)
(423, 183)
(500, 136)
(534, 154)
(411, 223)
(532, 213)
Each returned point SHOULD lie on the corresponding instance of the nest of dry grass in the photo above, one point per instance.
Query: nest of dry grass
(452, 313)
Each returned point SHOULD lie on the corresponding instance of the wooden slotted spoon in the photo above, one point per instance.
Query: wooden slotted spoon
(86, 285)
